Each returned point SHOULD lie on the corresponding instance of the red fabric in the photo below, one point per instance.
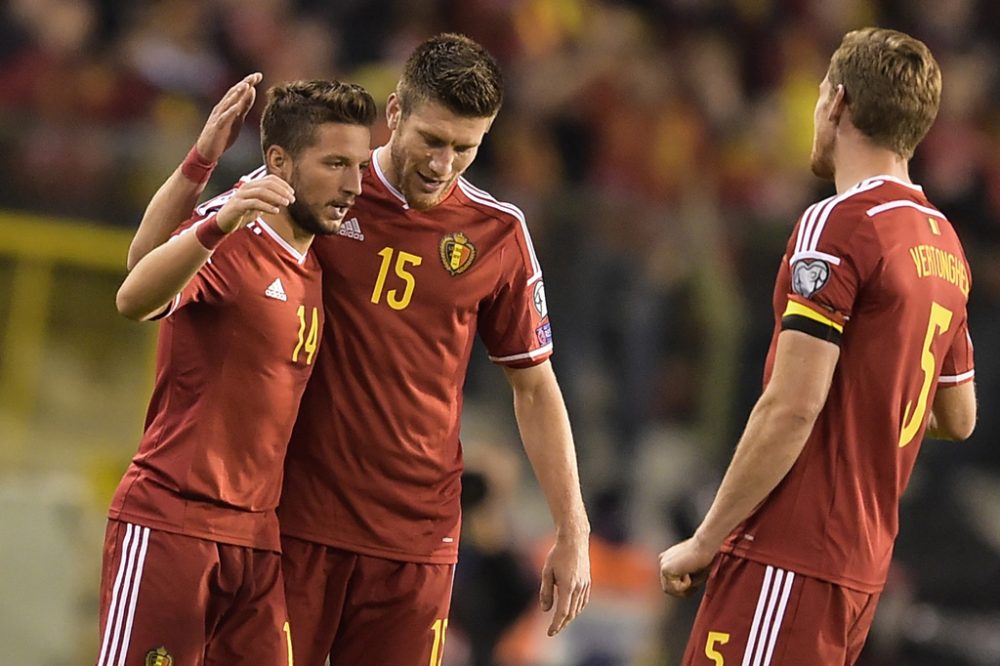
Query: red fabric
(233, 358)
(197, 601)
(756, 613)
(380, 611)
(835, 515)
(375, 459)
(196, 168)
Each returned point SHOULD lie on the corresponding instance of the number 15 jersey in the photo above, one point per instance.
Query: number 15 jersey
(880, 272)
(374, 463)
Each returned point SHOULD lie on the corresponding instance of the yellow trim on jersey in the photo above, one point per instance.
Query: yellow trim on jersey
(797, 309)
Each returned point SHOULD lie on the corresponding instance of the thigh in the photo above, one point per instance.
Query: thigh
(316, 580)
(154, 596)
(396, 613)
(255, 628)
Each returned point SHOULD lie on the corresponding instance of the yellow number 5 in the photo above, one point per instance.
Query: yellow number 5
(716, 638)
(937, 324)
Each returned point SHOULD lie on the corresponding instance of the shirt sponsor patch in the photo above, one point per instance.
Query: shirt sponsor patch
(809, 276)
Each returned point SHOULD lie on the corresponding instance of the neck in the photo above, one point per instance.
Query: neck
(291, 233)
(857, 159)
(384, 157)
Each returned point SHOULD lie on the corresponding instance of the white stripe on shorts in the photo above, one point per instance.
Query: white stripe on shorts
(124, 596)
(771, 604)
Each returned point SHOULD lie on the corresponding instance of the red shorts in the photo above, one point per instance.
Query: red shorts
(759, 615)
(364, 610)
(168, 598)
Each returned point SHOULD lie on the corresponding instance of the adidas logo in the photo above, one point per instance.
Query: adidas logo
(276, 290)
(351, 229)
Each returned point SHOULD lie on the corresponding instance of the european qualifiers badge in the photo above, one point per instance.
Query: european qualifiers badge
(159, 657)
(457, 253)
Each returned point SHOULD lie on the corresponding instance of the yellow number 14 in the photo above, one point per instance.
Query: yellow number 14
(307, 342)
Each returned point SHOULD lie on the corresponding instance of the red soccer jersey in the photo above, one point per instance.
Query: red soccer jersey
(233, 358)
(880, 271)
(375, 461)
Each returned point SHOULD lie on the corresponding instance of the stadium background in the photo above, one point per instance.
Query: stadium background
(659, 149)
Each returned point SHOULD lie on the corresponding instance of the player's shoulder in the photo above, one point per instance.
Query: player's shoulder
(841, 215)
(477, 202)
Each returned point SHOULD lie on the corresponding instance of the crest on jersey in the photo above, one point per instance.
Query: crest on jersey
(539, 299)
(159, 657)
(809, 276)
(457, 253)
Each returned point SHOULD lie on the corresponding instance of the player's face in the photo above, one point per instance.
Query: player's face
(824, 135)
(326, 176)
(429, 149)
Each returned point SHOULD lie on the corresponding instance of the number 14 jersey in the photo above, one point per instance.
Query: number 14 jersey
(880, 272)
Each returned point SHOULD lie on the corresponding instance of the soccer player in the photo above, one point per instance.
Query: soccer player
(871, 349)
(191, 571)
(425, 260)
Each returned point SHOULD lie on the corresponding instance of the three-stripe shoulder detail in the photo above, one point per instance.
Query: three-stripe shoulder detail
(485, 198)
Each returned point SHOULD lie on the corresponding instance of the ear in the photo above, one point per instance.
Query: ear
(839, 104)
(278, 161)
(393, 111)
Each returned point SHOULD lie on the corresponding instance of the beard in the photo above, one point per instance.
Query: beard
(414, 198)
(821, 160)
(304, 216)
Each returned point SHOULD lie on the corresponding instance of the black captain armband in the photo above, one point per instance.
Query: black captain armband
(798, 317)
(811, 327)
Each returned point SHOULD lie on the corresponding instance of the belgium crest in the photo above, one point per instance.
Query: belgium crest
(159, 657)
(457, 253)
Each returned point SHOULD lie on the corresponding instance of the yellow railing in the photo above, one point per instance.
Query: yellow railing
(43, 262)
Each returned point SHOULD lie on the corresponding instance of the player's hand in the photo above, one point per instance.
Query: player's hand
(226, 119)
(566, 581)
(684, 567)
(256, 197)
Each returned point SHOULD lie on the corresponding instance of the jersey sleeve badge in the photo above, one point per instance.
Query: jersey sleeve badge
(809, 276)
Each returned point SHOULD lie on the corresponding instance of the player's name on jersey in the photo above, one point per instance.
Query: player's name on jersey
(932, 261)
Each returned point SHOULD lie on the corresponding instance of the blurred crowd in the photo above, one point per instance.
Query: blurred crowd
(660, 151)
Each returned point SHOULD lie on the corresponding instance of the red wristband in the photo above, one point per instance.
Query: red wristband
(210, 234)
(196, 168)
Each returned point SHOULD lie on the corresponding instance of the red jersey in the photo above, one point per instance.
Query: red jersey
(880, 271)
(374, 464)
(234, 353)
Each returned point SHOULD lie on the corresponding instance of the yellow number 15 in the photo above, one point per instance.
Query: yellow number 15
(913, 417)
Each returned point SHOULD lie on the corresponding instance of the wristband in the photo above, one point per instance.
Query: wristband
(210, 234)
(196, 168)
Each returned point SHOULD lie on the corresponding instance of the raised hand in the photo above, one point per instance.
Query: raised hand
(226, 119)
(253, 198)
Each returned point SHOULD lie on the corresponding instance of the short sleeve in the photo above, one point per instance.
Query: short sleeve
(829, 256)
(209, 284)
(958, 366)
(514, 320)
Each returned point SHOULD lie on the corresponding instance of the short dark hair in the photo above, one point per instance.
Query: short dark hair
(892, 85)
(454, 71)
(294, 110)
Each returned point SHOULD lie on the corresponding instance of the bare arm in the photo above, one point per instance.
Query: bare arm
(177, 197)
(548, 442)
(775, 434)
(953, 415)
(167, 268)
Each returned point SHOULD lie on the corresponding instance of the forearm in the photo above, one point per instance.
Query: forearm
(160, 275)
(171, 205)
(548, 441)
(774, 437)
